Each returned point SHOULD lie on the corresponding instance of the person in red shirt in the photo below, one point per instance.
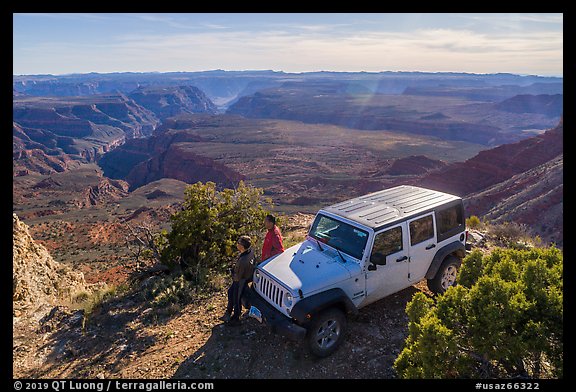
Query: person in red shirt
(273, 241)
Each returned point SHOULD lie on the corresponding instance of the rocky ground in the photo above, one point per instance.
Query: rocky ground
(129, 337)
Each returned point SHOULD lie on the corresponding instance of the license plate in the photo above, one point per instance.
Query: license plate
(255, 313)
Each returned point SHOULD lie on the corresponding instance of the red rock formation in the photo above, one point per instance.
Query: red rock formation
(492, 166)
(166, 155)
(119, 163)
(179, 163)
(106, 190)
(37, 161)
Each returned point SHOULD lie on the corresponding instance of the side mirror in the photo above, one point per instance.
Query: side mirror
(378, 259)
(372, 267)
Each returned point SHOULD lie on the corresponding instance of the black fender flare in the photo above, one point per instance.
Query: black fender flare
(316, 303)
(453, 247)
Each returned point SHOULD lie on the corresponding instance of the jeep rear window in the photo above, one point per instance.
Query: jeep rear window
(342, 236)
(449, 221)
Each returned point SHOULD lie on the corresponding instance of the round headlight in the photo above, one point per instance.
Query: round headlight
(288, 299)
(256, 277)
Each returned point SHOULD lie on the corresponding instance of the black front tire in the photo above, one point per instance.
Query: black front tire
(326, 332)
(446, 275)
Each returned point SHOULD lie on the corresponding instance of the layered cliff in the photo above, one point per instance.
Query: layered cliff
(171, 101)
(48, 133)
(413, 165)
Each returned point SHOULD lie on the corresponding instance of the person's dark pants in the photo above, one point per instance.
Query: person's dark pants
(234, 306)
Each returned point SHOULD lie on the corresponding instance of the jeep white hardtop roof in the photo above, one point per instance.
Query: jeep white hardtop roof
(379, 209)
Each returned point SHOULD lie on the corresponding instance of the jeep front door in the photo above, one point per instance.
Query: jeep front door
(389, 260)
(422, 245)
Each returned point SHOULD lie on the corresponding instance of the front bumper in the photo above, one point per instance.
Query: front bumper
(277, 322)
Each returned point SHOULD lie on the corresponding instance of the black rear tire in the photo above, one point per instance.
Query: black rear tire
(326, 332)
(446, 275)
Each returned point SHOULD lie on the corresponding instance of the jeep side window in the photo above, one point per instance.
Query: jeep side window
(387, 243)
(421, 229)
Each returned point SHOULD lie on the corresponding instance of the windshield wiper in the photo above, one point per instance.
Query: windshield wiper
(340, 254)
(319, 246)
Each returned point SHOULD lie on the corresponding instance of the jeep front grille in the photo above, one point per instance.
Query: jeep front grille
(270, 290)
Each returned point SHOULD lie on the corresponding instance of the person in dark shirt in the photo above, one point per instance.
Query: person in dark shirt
(273, 241)
(241, 273)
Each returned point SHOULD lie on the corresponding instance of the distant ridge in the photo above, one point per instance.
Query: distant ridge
(550, 105)
(223, 87)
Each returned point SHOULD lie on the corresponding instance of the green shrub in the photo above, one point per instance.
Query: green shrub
(503, 320)
(171, 290)
(90, 301)
(471, 268)
(473, 222)
(80, 297)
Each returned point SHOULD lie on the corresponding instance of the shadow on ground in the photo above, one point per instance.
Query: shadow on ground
(78, 349)
(374, 339)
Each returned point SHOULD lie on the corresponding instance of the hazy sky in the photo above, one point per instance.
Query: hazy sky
(479, 43)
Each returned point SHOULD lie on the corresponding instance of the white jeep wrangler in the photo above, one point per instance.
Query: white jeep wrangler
(357, 252)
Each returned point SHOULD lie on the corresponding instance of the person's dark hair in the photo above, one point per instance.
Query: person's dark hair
(271, 218)
(245, 241)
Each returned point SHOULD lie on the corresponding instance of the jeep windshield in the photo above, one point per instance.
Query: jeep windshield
(339, 235)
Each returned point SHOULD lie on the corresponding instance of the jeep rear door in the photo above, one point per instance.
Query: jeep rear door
(422, 237)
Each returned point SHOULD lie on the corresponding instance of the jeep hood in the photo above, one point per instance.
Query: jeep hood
(304, 267)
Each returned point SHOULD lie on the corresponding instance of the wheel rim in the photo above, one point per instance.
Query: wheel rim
(327, 334)
(449, 277)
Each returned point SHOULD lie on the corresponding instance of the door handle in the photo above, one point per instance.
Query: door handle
(402, 259)
(430, 246)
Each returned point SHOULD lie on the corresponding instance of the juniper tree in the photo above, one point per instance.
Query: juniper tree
(204, 232)
(504, 319)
